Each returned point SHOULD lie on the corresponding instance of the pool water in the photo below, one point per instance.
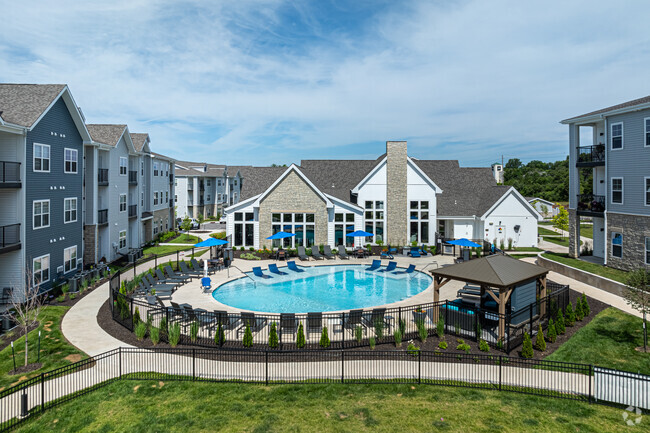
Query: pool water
(320, 288)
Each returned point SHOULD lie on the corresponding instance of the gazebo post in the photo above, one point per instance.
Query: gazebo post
(502, 315)
(437, 284)
(542, 296)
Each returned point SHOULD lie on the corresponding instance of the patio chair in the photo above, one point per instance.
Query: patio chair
(360, 253)
(292, 266)
(189, 272)
(423, 251)
(343, 255)
(196, 266)
(257, 271)
(386, 254)
(281, 255)
(150, 283)
(377, 315)
(228, 321)
(314, 323)
(288, 323)
(179, 312)
(327, 252)
(205, 319)
(408, 270)
(206, 284)
(273, 268)
(390, 268)
(376, 264)
(171, 275)
(353, 319)
(255, 323)
(315, 253)
(415, 252)
(301, 254)
(162, 279)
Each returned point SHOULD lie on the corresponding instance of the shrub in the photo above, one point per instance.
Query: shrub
(443, 345)
(402, 327)
(248, 337)
(478, 329)
(154, 334)
(570, 316)
(527, 349)
(483, 346)
(422, 330)
(250, 256)
(324, 338)
(579, 314)
(219, 235)
(140, 330)
(397, 335)
(551, 333)
(220, 336)
(163, 328)
(559, 325)
(194, 331)
(464, 347)
(540, 343)
(440, 327)
(379, 329)
(502, 246)
(372, 342)
(509, 243)
(457, 328)
(65, 288)
(585, 305)
(358, 334)
(136, 317)
(274, 343)
(300, 338)
(412, 349)
(174, 334)
(72, 296)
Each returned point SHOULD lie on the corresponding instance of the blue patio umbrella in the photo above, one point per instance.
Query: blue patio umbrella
(359, 234)
(463, 242)
(211, 242)
(281, 235)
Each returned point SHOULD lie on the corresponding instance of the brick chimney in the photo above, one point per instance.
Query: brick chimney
(396, 194)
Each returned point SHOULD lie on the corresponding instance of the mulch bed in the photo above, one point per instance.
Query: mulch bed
(26, 368)
(119, 332)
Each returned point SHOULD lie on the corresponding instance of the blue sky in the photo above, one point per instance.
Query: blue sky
(278, 81)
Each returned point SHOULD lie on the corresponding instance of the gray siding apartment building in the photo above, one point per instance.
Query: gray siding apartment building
(618, 152)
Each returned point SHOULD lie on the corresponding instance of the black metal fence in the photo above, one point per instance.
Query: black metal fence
(490, 372)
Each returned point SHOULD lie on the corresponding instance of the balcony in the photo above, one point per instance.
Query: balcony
(133, 210)
(102, 177)
(102, 217)
(147, 215)
(133, 177)
(10, 174)
(591, 205)
(591, 156)
(9, 238)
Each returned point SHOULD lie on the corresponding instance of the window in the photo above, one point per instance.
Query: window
(207, 182)
(235, 182)
(343, 224)
(124, 164)
(142, 200)
(141, 168)
(646, 131)
(69, 259)
(617, 245)
(647, 191)
(167, 197)
(218, 182)
(70, 161)
(374, 220)
(617, 190)
(41, 157)
(647, 251)
(301, 224)
(155, 169)
(219, 198)
(155, 198)
(70, 210)
(419, 221)
(123, 239)
(41, 212)
(617, 136)
(207, 198)
(122, 202)
(41, 270)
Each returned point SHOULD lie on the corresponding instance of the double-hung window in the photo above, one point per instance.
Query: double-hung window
(617, 135)
(123, 239)
(41, 270)
(646, 182)
(41, 213)
(69, 259)
(122, 202)
(155, 198)
(646, 131)
(617, 190)
(41, 157)
(155, 169)
(71, 158)
(70, 210)
(617, 244)
(647, 251)
(124, 166)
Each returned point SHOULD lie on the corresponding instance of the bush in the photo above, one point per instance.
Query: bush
(65, 288)
(483, 346)
(422, 330)
(72, 296)
(585, 305)
(248, 337)
(174, 334)
(570, 316)
(140, 331)
(397, 335)
(372, 343)
(274, 343)
(154, 334)
(324, 338)
(443, 345)
(559, 325)
(412, 349)
(578, 312)
(163, 328)
(220, 235)
(220, 336)
(540, 343)
(402, 327)
(527, 349)
(194, 331)
(250, 256)
(379, 329)
(440, 327)
(464, 347)
(136, 317)
(478, 329)
(358, 334)
(300, 338)
(551, 333)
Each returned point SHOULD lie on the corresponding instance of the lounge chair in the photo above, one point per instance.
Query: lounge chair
(301, 254)
(390, 268)
(342, 253)
(408, 270)
(162, 279)
(171, 275)
(386, 254)
(189, 272)
(257, 271)
(196, 266)
(202, 316)
(353, 319)
(288, 323)
(150, 283)
(314, 323)
(376, 264)
(423, 251)
(315, 253)
(180, 312)
(255, 323)
(327, 252)
(415, 252)
(376, 317)
(273, 268)
(292, 266)
(228, 321)
(206, 283)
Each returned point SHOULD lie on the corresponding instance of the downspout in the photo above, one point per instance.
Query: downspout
(606, 236)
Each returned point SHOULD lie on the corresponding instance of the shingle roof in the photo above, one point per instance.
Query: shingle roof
(106, 134)
(213, 170)
(23, 104)
(139, 140)
(256, 180)
(495, 271)
(628, 104)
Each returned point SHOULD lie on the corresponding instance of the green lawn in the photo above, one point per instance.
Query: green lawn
(563, 242)
(586, 231)
(609, 340)
(164, 250)
(522, 256)
(603, 271)
(138, 406)
(54, 349)
(546, 232)
(527, 249)
(185, 238)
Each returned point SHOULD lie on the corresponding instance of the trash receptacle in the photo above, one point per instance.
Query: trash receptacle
(228, 256)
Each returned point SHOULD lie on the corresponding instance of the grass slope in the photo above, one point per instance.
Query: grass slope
(185, 238)
(138, 406)
(594, 268)
(586, 231)
(546, 232)
(609, 340)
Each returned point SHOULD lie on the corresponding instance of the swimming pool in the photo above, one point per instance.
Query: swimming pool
(320, 288)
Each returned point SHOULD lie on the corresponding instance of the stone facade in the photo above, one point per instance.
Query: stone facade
(574, 234)
(90, 244)
(634, 228)
(293, 194)
(396, 193)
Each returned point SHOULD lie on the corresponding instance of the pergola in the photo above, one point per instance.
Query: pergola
(492, 272)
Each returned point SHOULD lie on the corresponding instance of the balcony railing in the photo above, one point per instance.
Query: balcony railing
(9, 237)
(133, 177)
(589, 156)
(102, 216)
(591, 203)
(102, 176)
(133, 210)
(10, 174)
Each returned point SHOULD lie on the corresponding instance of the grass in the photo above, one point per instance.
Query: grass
(522, 256)
(609, 340)
(603, 271)
(527, 249)
(54, 349)
(546, 232)
(137, 406)
(185, 238)
(164, 250)
(559, 241)
(586, 231)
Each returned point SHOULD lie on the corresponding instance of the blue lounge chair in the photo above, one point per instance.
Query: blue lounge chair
(292, 266)
(387, 254)
(273, 268)
(408, 270)
(423, 251)
(390, 268)
(257, 271)
(206, 284)
(376, 264)
(415, 252)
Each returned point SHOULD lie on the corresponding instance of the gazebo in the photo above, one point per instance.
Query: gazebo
(497, 271)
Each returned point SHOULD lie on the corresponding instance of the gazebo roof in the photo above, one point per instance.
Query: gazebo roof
(495, 271)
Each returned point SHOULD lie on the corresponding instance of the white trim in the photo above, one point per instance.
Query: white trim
(77, 118)
(645, 249)
(244, 203)
(611, 242)
(49, 158)
(646, 131)
(372, 172)
(48, 269)
(126, 203)
(65, 160)
(126, 159)
(76, 210)
(415, 167)
(76, 256)
(541, 200)
(336, 200)
(587, 119)
(645, 190)
(49, 212)
(521, 198)
(611, 190)
(611, 136)
(293, 167)
(119, 247)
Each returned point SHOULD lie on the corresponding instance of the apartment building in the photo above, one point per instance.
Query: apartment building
(205, 189)
(162, 194)
(614, 143)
